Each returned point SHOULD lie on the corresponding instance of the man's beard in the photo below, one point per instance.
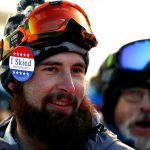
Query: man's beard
(56, 130)
(140, 143)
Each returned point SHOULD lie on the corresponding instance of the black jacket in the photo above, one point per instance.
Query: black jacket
(100, 139)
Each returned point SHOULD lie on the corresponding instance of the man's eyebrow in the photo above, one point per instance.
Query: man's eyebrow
(52, 63)
(80, 65)
(49, 63)
(59, 63)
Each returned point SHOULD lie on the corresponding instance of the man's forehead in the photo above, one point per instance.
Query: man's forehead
(66, 56)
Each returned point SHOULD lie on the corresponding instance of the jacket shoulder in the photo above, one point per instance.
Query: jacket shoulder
(3, 126)
(102, 138)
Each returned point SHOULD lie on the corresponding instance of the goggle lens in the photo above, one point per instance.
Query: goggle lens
(136, 55)
(51, 18)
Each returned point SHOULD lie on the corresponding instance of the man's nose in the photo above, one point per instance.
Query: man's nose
(67, 83)
(145, 104)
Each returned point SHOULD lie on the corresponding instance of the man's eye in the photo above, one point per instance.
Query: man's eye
(77, 70)
(51, 69)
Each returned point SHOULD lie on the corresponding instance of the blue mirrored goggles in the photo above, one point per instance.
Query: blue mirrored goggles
(135, 55)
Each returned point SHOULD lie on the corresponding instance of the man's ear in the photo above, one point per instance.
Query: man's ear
(11, 86)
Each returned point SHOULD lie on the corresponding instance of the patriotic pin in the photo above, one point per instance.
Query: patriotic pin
(21, 63)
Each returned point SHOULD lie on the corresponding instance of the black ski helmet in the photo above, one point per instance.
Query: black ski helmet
(128, 67)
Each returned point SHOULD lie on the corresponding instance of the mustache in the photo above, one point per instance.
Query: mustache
(138, 116)
(59, 95)
(141, 116)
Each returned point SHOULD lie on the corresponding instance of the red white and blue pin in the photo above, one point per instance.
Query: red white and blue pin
(21, 63)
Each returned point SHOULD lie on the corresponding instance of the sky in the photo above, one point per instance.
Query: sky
(114, 23)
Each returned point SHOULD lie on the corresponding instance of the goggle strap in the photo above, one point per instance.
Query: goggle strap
(1, 49)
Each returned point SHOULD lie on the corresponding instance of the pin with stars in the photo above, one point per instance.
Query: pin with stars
(21, 63)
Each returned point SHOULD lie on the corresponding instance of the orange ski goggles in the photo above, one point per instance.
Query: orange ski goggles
(49, 21)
